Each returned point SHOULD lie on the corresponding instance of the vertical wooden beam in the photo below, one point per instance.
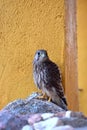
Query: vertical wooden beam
(71, 74)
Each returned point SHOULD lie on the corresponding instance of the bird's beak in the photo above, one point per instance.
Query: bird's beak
(36, 58)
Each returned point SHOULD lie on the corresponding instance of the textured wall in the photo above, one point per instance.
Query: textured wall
(82, 53)
(25, 26)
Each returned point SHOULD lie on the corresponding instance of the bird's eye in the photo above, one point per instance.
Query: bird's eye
(38, 53)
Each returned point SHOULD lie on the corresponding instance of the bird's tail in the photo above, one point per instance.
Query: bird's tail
(60, 102)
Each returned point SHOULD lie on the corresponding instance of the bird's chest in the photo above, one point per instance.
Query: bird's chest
(39, 77)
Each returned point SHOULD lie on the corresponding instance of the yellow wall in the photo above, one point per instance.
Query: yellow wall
(25, 26)
(82, 52)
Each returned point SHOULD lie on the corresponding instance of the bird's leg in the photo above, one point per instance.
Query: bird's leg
(49, 99)
(40, 91)
(43, 96)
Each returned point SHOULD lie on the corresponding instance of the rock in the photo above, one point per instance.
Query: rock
(10, 122)
(66, 114)
(27, 127)
(70, 114)
(34, 118)
(81, 128)
(34, 114)
(67, 127)
(77, 114)
(48, 124)
(47, 115)
(75, 122)
(32, 105)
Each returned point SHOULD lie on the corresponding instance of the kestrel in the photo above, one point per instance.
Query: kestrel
(47, 78)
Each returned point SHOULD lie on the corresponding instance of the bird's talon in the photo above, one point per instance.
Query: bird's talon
(49, 100)
(44, 96)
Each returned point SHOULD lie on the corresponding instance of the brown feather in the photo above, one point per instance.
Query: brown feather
(47, 77)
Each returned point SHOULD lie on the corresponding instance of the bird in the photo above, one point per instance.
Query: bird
(47, 77)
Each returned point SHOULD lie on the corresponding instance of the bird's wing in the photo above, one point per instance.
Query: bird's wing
(54, 79)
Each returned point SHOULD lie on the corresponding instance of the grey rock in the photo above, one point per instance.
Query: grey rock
(34, 118)
(48, 124)
(27, 127)
(75, 122)
(32, 105)
(81, 128)
(67, 127)
(10, 122)
(16, 114)
(47, 115)
(34, 114)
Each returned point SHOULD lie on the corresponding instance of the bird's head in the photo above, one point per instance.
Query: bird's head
(41, 56)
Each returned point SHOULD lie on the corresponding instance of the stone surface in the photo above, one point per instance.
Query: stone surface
(47, 115)
(35, 114)
(75, 122)
(48, 124)
(10, 122)
(67, 127)
(32, 105)
(27, 127)
(34, 118)
(81, 128)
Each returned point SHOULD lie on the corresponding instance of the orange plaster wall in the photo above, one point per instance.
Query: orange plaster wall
(25, 26)
(82, 53)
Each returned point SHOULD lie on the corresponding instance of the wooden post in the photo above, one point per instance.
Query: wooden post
(71, 74)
